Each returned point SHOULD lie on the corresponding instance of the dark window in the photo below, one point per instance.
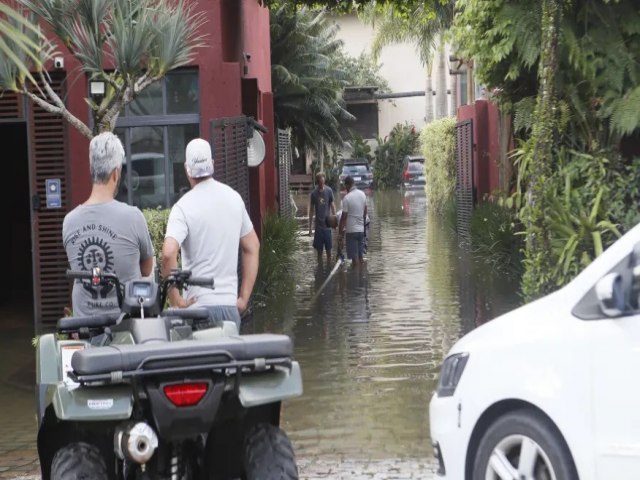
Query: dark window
(415, 166)
(366, 123)
(155, 130)
(355, 169)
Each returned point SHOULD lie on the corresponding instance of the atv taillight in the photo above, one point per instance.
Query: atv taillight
(185, 394)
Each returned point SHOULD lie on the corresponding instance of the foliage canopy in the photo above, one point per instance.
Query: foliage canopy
(142, 40)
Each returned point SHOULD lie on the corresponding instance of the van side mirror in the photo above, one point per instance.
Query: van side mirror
(610, 293)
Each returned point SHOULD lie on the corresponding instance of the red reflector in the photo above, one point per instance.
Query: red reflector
(185, 394)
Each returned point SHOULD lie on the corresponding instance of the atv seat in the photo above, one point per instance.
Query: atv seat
(102, 320)
(184, 353)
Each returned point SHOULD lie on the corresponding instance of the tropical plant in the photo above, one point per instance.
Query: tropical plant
(360, 71)
(22, 46)
(493, 237)
(277, 256)
(360, 148)
(387, 168)
(437, 141)
(307, 84)
(142, 39)
(157, 219)
(569, 73)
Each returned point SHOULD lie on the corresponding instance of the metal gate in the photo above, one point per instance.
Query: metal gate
(464, 176)
(229, 145)
(284, 171)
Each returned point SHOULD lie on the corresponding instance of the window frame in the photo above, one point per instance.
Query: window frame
(126, 122)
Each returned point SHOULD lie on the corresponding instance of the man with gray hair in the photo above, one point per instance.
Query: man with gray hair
(207, 225)
(105, 233)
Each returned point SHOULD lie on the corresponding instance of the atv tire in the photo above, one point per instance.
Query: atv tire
(268, 454)
(78, 461)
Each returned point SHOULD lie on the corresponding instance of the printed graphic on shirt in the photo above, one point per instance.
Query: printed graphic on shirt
(95, 252)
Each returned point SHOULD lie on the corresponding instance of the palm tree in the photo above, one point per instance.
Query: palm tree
(423, 27)
(21, 44)
(307, 83)
(142, 39)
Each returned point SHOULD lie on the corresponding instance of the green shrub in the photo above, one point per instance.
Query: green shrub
(277, 256)
(494, 239)
(387, 169)
(438, 147)
(157, 219)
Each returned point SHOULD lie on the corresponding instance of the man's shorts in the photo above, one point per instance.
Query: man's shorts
(223, 313)
(322, 239)
(355, 245)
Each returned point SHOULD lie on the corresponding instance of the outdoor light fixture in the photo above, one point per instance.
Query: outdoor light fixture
(97, 89)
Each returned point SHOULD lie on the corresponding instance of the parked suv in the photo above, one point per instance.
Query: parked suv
(549, 390)
(360, 171)
(413, 173)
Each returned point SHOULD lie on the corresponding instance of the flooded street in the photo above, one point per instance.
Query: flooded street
(370, 346)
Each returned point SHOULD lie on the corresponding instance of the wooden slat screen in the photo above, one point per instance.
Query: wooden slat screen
(284, 172)
(229, 146)
(47, 134)
(464, 176)
(10, 106)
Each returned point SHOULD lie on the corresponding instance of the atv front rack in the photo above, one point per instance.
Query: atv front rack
(119, 363)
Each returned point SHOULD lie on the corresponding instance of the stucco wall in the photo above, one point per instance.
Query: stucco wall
(400, 66)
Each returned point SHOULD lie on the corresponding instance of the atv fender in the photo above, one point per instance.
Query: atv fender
(92, 403)
(268, 387)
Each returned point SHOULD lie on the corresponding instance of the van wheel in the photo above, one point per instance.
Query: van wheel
(78, 461)
(268, 454)
(523, 444)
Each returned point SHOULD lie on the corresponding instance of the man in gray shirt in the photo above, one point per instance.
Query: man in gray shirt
(321, 203)
(105, 233)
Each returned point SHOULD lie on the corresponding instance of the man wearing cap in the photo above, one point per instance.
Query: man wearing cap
(207, 225)
(353, 220)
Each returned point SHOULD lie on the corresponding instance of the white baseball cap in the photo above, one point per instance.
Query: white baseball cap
(198, 160)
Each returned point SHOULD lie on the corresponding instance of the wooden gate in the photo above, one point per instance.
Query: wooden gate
(229, 146)
(465, 195)
(284, 172)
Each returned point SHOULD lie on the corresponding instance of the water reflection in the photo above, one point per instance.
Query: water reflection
(371, 344)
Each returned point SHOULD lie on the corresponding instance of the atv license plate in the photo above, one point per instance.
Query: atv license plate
(421, 177)
(66, 353)
(357, 179)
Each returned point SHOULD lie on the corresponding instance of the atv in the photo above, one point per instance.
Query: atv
(151, 394)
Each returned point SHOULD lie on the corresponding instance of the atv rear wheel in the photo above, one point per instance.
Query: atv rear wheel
(78, 461)
(268, 454)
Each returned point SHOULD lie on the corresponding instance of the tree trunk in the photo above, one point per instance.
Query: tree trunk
(428, 95)
(537, 279)
(453, 107)
(441, 83)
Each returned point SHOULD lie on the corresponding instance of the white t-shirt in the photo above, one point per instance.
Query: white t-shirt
(208, 222)
(354, 204)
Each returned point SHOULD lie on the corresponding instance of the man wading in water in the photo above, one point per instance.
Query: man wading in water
(321, 202)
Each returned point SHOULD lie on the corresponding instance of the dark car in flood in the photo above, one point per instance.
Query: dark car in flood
(360, 171)
(413, 173)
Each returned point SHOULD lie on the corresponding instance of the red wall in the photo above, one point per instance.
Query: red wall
(220, 91)
(486, 145)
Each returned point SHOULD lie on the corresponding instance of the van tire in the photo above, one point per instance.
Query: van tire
(268, 454)
(78, 461)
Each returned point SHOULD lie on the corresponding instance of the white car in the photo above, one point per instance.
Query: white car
(550, 390)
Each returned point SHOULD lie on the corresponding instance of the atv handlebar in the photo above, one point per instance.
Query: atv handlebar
(98, 277)
(201, 282)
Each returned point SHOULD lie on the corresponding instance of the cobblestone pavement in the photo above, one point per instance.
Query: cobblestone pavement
(18, 455)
